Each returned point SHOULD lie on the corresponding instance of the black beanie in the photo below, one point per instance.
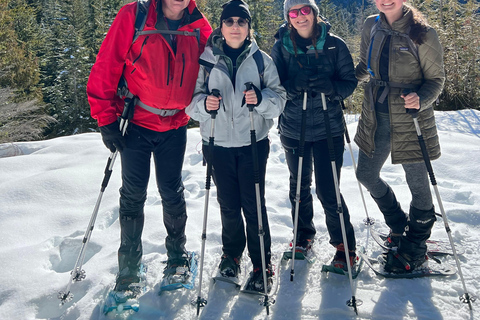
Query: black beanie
(235, 8)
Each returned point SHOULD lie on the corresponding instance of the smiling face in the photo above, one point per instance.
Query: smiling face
(173, 9)
(304, 24)
(391, 8)
(234, 35)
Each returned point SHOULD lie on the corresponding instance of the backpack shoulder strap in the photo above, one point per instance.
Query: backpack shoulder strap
(141, 17)
(208, 68)
(257, 56)
(372, 36)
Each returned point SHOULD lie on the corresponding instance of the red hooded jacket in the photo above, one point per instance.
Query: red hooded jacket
(156, 75)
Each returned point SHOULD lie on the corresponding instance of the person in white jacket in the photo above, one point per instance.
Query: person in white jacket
(227, 64)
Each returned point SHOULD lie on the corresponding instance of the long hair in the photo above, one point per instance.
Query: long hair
(419, 26)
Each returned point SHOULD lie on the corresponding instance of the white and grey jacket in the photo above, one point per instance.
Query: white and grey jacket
(232, 124)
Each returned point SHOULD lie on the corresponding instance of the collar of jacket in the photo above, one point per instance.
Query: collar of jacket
(192, 17)
(218, 41)
(284, 35)
(215, 42)
(401, 25)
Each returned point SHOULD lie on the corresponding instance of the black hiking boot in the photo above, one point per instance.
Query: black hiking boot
(392, 240)
(177, 270)
(256, 282)
(397, 262)
(340, 259)
(229, 266)
(412, 248)
(125, 279)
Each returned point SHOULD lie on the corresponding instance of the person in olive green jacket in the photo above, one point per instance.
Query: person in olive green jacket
(402, 60)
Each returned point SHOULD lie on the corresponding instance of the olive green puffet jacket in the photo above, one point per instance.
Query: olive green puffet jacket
(426, 74)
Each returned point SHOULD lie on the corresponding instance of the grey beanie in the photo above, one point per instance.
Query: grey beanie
(288, 4)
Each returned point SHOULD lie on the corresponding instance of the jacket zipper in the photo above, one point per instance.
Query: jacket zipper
(141, 51)
(183, 69)
(168, 68)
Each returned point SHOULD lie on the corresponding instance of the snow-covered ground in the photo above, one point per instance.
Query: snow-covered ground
(48, 190)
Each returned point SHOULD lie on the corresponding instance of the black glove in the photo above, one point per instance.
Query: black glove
(112, 137)
(321, 85)
(300, 82)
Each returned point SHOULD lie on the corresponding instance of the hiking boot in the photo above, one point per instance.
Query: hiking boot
(125, 279)
(340, 260)
(412, 248)
(304, 246)
(396, 262)
(177, 270)
(229, 266)
(256, 282)
(393, 239)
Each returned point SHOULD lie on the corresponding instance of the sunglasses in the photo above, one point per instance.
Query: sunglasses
(294, 13)
(240, 21)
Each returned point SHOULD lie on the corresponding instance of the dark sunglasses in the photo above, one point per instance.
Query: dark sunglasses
(240, 21)
(294, 13)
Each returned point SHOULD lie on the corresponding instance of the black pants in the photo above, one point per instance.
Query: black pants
(234, 179)
(325, 188)
(168, 149)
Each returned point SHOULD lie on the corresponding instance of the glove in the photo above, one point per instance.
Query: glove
(112, 137)
(321, 85)
(258, 94)
(300, 82)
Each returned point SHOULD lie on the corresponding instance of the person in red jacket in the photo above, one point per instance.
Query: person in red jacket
(158, 71)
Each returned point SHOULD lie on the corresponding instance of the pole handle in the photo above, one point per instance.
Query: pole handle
(412, 112)
(249, 86)
(213, 113)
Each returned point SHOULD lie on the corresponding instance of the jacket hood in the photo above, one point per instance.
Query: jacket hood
(283, 35)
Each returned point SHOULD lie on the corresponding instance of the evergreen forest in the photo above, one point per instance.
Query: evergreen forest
(47, 48)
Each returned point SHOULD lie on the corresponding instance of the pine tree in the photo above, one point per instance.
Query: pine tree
(67, 65)
(19, 41)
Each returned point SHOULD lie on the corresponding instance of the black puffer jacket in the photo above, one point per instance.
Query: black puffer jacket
(334, 61)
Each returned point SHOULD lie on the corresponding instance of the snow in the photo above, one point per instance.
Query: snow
(48, 190)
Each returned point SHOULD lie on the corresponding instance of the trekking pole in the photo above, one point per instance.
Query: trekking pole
(352, 302)
(201, 302)
(368, 221)
(77, 273)
(301, 151)
(465, 298)
(256, 178)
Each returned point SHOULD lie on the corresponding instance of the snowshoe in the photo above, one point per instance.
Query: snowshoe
(303, 251)
(396, 262)
(229, 270)
(180, 273)
(338, 264)
(127, 290)
(255, 283)
(436, 270)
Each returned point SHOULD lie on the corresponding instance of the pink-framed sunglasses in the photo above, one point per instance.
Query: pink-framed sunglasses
(294, 13)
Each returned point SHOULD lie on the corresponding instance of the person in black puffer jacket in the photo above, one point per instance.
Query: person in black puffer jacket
(311, 59)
